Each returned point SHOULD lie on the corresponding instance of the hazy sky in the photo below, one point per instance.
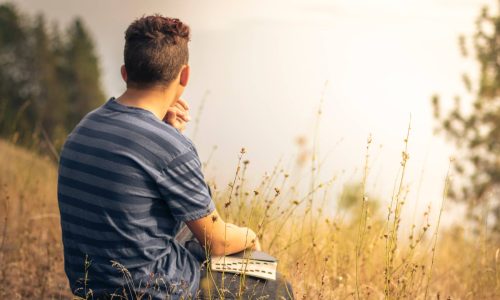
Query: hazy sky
(265, 64)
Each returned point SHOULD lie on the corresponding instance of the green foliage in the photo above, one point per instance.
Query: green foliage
(48, 80)
(476, 131)
(350, 201)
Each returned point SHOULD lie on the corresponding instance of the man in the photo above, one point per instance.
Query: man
(128, 180)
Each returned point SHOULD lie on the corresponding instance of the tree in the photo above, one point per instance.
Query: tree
(52, 94)
(476, 130)
(48, 81)
(15, 89)
(82, 74)
(350, 201)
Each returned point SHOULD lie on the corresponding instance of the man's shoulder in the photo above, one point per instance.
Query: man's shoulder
(137, 132)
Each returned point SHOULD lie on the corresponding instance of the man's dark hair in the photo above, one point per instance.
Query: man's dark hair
(155, 49)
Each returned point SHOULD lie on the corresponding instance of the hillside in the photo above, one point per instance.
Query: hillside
(31, 261)
(318, 253)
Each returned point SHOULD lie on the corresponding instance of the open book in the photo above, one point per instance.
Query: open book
(251, 263)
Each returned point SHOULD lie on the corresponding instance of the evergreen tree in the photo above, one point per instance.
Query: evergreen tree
(82, 74)
(48, 81)
(15, 89)
(476, 131)
(51, 93)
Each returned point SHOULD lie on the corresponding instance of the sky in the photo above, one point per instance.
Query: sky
(264, 67)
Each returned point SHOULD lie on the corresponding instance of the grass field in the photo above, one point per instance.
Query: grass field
(365, 256)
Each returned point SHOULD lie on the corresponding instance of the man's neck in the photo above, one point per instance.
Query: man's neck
(157, 100)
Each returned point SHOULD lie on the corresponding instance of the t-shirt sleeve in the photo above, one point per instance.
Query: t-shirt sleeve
(184, 189)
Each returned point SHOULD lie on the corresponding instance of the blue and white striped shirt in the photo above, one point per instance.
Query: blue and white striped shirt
(126, 182)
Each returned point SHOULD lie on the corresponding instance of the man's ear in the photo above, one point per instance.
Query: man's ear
(184, 78)
(123, 71)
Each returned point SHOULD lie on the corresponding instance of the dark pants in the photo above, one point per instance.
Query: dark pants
(218, 285)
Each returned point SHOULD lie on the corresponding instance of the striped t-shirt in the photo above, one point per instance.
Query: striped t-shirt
(126, 182)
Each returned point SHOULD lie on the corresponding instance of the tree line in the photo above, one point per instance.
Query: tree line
(49, 79)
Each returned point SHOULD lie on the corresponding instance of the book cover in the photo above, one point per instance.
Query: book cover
(251, 263)
(255, 255)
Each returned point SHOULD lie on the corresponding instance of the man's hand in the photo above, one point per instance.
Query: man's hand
(178, 115)
(251, 237)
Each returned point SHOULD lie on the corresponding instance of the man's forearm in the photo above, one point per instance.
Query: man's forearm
(219, 237)
(235, 239)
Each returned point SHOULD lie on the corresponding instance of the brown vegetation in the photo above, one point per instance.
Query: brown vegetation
(325, 257)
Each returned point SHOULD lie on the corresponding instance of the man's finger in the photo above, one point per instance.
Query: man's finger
(179, 107)
(170, 117)
(177, 111)
(183, 104)
(174, 120)
(180, 112)
(181, 124)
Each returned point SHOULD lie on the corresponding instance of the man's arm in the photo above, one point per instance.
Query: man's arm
(211, 231)
(221, 237)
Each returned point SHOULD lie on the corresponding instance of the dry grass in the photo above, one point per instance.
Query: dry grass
(363, 256)
(31, 261)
